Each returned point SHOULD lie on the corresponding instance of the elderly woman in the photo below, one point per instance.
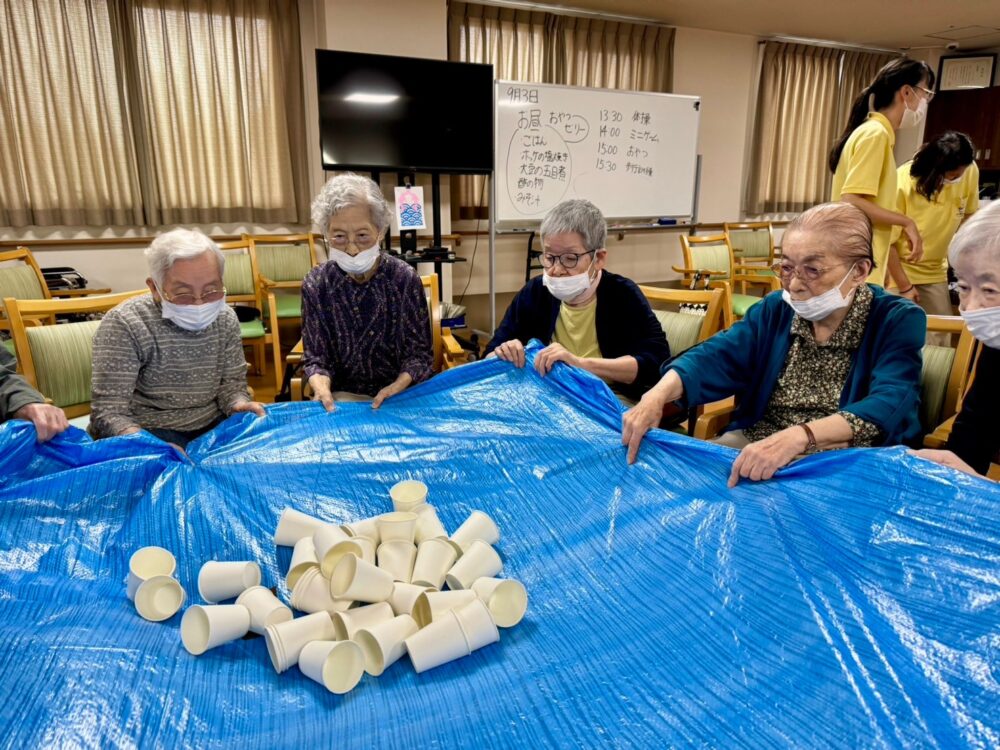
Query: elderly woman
(829, 362)
(171, 363)
(975, 256)
(365, 329)
(587, 316)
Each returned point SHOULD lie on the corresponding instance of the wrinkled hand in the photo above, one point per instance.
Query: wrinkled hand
(49, 420)
(639, 420)
(388, 392)
(916, 242)
(254, 406)
(945, 458)
(320, 385)
(913, 294)
(547, 357)
(511, 351)
(762, 459)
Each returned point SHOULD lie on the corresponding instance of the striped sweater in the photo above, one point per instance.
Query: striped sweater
(150, 373)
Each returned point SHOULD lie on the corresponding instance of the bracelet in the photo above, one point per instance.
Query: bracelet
(811, 445)
(906, 291)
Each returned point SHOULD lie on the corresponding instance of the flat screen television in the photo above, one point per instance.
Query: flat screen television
(403, 113)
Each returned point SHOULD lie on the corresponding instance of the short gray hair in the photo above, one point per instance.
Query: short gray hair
(580, 216)
(843, 227)
(981, 232)
(346, 191)
(179, 244)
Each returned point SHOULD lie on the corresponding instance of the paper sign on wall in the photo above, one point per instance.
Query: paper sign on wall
(410, 208)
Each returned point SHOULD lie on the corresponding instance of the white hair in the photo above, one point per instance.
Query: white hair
(347, 191)
(179, 244)
(580, 216)
(981, 232)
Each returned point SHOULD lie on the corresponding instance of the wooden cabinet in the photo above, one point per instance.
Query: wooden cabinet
(975, 112)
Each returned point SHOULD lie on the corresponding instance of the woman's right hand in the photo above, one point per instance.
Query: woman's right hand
(320, 385)
(639, 420)
(916, 242)
(511, 351)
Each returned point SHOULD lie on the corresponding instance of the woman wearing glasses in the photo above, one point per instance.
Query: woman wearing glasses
(864, 169)
(366, 334)
(829, 362)
(587, 316)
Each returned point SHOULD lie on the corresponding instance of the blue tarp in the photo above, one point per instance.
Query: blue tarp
(853, 601)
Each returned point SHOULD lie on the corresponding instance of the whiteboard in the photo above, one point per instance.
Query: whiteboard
(633, 154)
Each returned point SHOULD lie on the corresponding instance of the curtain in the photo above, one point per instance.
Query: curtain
(803, 96)
(540, 47)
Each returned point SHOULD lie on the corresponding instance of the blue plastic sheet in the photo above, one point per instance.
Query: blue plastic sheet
(854, 601)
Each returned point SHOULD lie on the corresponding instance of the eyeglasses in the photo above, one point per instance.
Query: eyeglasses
(566, 260)
(209, 295)
(930, 94)
(806, 272)
(362, 239)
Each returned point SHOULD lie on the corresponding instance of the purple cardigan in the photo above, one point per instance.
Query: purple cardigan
(363, 336)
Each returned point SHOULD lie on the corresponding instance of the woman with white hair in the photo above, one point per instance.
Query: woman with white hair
(365, 329)
(974, 255)
(171, 363)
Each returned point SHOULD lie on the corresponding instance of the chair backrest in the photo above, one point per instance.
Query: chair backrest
(434, 313)
(58, 359)
(945, 371)
(240, 275)
(751, 241)
(287, 257)
(22, 279)
(685, 328)
(709, 253)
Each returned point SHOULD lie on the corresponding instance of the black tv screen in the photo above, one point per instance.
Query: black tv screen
(404, 113)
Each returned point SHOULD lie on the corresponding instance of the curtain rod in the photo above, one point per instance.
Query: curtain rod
(565, 10)
(823, 43)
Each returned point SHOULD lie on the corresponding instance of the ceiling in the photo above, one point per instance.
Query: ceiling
(891, 24)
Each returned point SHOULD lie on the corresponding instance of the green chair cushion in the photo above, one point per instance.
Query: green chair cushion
(253, 329)
(742, 303)
(934, 375)
(750, 243)
(238, 277)
(284, 262)
(9, 344)
(712, 257)
(681, 328)
(63, 358)
(20, 282)
(289, 304)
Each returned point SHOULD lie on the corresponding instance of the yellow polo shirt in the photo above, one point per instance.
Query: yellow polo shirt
(937, 221)
(576, 329)
(867, 167)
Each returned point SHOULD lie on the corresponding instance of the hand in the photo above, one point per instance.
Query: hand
(511, 351)
(254, 406)
(912, 293)
(320, 385)
(639, 420)
(547, 357)
(388, 392)
(916, 242)
(945, 458)
(49, 420)
(762, 459)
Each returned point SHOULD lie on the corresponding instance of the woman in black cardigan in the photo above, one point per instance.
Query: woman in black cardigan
(974, 254)
(588, 317)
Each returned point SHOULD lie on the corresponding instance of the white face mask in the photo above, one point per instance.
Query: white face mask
(913, 117)
(567, 288)
(192, 317)
(357, 264)
(953, 182)
(818, 307)
(984, 324)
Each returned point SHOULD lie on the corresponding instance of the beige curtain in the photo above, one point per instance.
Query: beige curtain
(539, 47)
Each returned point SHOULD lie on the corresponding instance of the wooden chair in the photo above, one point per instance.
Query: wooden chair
(685, 329)
(709, 260)
(752, 243)
(281, 263)
(21, 278)
(57, 360)
(239, 279)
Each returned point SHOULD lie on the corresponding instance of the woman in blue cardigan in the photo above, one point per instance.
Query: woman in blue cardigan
(829, 362)
(587, 316)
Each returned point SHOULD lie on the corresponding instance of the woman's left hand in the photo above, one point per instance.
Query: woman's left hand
(389, 391)
(762, 459)
(547, 357)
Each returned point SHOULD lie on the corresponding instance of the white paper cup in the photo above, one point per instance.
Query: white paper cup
(439, 643)
(396, 557)
(429, 525)
(435, 557)
(477, 624)
(303, 558)
(312, 594)
(293, 525)
(479, 561)
(368, 545)
(477, 526)
(383, 644)
(159, 598)
(326, 538)
(265, 608)
(286, 639)
(408, 494)
(506, 598)
(398, 525)
(439, 602)
(336, 665)
(205, 627)
(404, 596)
(218, 581)
(353, 578)
(346, 624)
(365, 527)
(146, 563)
(351, 546)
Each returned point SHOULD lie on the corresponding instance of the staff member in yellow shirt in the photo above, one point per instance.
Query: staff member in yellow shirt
(938, 189)
(864, 170)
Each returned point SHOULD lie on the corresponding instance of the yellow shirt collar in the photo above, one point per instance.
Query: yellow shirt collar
(884, 121)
